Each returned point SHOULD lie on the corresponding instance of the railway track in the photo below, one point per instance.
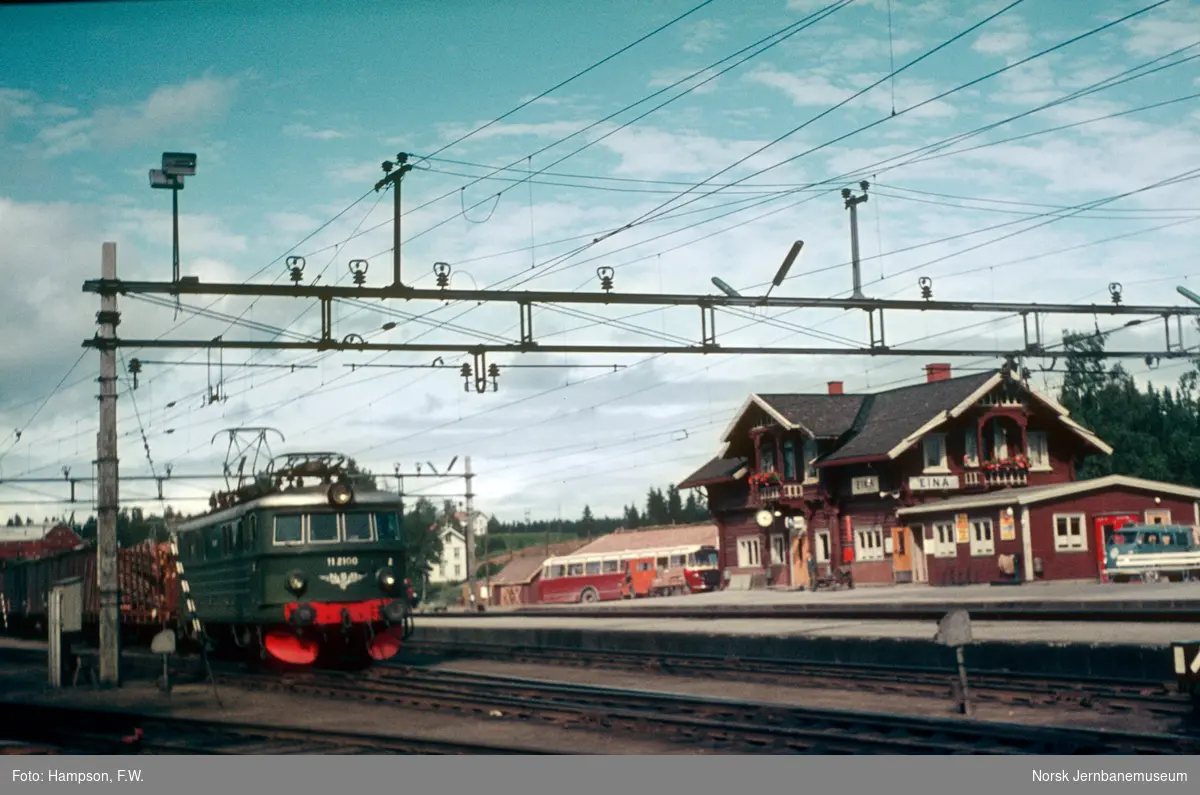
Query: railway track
(98, 731)
(720, 725)
(1114, 697)
(1186, 611)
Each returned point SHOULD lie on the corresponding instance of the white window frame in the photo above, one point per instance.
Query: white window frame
(868, 543)
(999, 441)
(1064, 543)
(943, 465)
(983, 544)
(971, 448)
(1157, 513)
(822, 546)
(945, 543)
(810, 453)
(779, 550)
(749, 552)
(275, 530)
(337, 523)
(1039, 451)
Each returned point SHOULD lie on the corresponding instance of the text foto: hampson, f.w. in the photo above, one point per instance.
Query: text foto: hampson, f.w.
(77, 776)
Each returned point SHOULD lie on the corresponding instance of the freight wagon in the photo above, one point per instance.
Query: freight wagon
(146, 578)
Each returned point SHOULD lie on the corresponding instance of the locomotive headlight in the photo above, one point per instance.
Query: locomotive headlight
(387, 579)
(340, 493)
(296, 583)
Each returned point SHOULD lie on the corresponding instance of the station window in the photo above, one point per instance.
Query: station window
(944, 544)
(289, 529)
(387, 527)
(982, 541)
(592, 567)
(748, 552)
(358, 526)
(322, 528)
(822, 547)
(868, 544)
(1068, 533)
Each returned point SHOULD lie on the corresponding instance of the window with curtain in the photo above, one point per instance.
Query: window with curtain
(766, 455)
(789, 459)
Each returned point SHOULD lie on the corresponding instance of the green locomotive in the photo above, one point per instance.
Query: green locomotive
(299, 564)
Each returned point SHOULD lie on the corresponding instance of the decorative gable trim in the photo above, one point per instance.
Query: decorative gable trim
(755, 400)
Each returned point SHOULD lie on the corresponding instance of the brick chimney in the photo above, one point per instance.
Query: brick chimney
(835, 388)
(936, 372)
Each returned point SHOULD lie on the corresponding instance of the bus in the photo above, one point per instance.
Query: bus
(1152, 552)
(629, 574)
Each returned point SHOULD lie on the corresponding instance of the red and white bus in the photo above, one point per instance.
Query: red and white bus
(629, 574)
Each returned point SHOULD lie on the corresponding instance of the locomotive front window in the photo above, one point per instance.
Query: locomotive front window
(358, 526)
(387, 527)
(289, 529)
(322, 528)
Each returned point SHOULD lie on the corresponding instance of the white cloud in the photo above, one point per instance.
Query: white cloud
(304, 131)
(187, 105)
(812, 89)
(702, 34)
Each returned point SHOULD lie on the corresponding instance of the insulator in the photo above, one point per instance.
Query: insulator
(442, 271)
(465, 371)
(926, 287)
(1114, 291)
(358, 267)
(135, 366)
(606, 278)
(295, 266)
(493, 370)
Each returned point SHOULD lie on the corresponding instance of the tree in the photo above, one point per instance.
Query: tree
(422, 538)
(588, 522)
(361, 479)
(656, 507)
(632, 519)
(674, 504)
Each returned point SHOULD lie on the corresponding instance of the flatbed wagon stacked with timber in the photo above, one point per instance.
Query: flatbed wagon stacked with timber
(146, 577)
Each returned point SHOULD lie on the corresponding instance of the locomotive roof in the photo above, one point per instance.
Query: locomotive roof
(307, 497)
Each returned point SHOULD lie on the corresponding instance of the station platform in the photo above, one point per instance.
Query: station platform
(1128, 651)
(1032, 595)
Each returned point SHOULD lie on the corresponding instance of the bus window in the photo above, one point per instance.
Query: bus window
(289, 530)
(575, 570)
(358, 526)
(557, 570)
(643, 565)
(662, 563)
(677, 561)
(322, 528)
(593, 567)
(611, 566)
(387, 527)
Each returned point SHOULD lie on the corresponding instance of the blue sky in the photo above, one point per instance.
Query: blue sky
(291, 108)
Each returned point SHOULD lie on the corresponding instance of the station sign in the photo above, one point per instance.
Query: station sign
(868, 484)
(933, 483)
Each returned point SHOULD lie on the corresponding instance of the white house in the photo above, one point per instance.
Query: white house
(453, 565)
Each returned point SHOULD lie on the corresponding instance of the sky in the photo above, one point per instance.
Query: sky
(989, 190)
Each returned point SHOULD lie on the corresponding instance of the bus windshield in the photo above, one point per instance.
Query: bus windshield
(706, 557)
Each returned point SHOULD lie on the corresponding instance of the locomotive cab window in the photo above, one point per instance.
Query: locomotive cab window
(289, 529)
(358, 526)
(252, 532)
(322, 528)
(387, 528)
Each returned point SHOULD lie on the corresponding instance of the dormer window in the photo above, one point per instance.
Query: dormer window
(810, 456)
(1039, 451)
(970, 448)
(934, 446)
(766, 455)
(789, 459)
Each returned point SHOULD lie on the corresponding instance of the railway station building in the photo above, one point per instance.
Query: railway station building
(955, 480)
(36, 540)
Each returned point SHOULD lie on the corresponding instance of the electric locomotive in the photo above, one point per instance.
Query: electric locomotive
(298, 564)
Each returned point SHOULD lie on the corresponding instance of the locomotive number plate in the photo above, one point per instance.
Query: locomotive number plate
(342, 561)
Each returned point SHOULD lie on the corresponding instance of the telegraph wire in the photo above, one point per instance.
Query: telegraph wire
(19, 432)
